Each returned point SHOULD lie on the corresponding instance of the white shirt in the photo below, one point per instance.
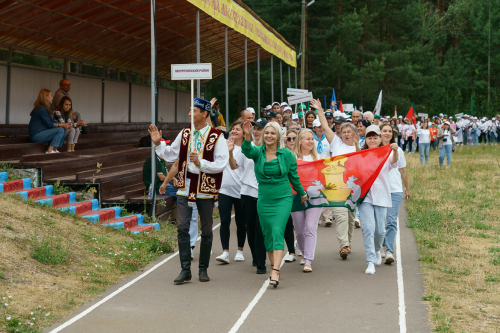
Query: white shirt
(231, 179)
(221, 158)
(249, 184)
(325, 153)
(307, 158)
(338, 147)
(380, 192)
(408, 130)
(396, 183)
(423, 135)
(446, 135)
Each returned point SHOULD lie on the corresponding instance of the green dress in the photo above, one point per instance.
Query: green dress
(275, 194)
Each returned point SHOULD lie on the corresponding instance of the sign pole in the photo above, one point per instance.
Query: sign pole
(153, 106)
(192, 108)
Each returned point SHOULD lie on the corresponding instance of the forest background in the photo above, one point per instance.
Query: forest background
(435, 54)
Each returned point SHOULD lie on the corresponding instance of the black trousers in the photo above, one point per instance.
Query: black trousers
(289, 238)
(226, 204)
(254, 230)
(410, 142)
(482, 138)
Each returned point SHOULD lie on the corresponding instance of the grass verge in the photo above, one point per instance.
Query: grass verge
(455, 217)
(52, 262)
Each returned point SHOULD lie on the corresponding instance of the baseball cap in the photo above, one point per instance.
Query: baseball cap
(271, 115)
(301, 114)
(261, 122)
(339, 120)
(328, 114)
(377, 116)
(287, 108)
(251, 110)
(372, 128)
(400, 117)
(269, 107)
(316, 123)
(295, 116)
(302, 107)
(447, 123)
(276, 103)
(284, 103)
(338, 114)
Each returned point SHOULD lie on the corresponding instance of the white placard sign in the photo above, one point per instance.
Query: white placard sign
(294, 91)
(300, 98)
(191, 71)
(348, 107)
(459, 115)
(423, 115)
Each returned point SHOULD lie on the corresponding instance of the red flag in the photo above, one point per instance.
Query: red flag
(340, 181)
(395, 112)
(341, 108)
(411, 115)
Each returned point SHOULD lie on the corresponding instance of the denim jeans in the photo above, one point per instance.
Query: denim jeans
(373, 228)
(466, 134)
(424, 152)
(391, 228)
(445, 150)
(434, 144)
(474, 137)
(492, 136)
(54, 136)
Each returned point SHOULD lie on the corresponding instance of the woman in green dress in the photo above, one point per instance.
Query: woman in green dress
(275, 170)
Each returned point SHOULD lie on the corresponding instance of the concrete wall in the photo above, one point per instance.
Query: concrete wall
(3, 92)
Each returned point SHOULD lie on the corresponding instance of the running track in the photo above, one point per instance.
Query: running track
(336, 297)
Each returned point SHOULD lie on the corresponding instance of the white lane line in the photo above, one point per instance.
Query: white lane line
(401, 287)
(254, 302)
(119, 290)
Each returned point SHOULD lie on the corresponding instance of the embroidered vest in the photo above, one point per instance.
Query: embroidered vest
(203, 183)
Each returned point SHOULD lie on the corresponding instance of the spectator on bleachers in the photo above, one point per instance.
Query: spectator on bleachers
(64, 88)
(64, 114)
(42, 127)
(161, 173)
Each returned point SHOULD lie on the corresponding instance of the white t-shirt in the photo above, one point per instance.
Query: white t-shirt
(380, 192)
(307, 158)
(249, 184)
(325, 153)
(338, 147)
(446, 135)
(408, 130)
(396, 183)
(423, 135)
(231, 183)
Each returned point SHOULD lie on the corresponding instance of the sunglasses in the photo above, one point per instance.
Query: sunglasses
(290, 139)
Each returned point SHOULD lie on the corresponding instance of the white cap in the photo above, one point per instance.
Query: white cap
(450, 117)
(372, 128)
(295, 116)
(447, 123)
(288, 108)
(283, 104)
(316, 123)
(251, 110)
(441, 114)
(400, 117)
(338, 114)
(348, 119)
(276, 103)
(475, 118)
(268, 107)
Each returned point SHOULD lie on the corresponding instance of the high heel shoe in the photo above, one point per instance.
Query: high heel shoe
(275, 285)
(271, 272)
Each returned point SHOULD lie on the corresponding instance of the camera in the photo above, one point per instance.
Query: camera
(445, 139)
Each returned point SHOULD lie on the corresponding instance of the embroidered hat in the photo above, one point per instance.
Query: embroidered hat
(261, 122)
(202, 104)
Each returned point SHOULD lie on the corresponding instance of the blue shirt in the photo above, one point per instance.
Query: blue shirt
(40, 121)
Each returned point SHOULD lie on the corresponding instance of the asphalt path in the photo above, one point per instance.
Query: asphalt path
(336, 297)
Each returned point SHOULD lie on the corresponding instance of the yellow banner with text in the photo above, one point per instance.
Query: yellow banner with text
(237, 18)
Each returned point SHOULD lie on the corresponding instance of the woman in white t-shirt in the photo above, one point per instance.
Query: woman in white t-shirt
(373, 210)
(396, 186)
(229, 197)
(446, 144)
(407, 133)
(424, 142)
(306, 221)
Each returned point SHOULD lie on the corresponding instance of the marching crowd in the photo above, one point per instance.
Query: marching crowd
(252, 170)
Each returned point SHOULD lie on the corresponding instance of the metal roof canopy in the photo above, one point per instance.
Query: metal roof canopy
(118, 32)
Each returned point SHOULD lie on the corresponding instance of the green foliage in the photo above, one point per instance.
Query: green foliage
(58, 189)
(5, 167)
(482, 226)
(49, 250)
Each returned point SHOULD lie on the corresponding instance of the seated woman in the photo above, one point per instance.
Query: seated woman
(42, 127)
(64, 114)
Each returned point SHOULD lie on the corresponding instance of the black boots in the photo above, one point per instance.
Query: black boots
(185, 257)
(205, 249)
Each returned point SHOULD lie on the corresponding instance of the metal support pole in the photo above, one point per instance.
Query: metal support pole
(246, 73)
(175, 101)
(272, 79)
(198, 85)
(258, 80)
(153, 106)
(281, 81)
(295, 77)
(227, 76)
(289, 81)
(9, 79)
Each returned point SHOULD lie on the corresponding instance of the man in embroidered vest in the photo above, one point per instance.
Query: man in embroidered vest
(202, 158)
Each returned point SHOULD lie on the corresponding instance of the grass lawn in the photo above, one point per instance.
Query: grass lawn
(52, 262)
(455, 215)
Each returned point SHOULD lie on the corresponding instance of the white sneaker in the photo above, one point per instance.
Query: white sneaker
(299, 253)
(239, 256)
(328, 223)
(56, 151)
(382, 252)
(370, 269)
(302, 261)
(290, 258)
(378, 258)
(357, 223)
(224, 257)
(192, 254)
(389, 258)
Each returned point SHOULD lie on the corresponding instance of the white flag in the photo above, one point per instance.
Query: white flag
(378, 106)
